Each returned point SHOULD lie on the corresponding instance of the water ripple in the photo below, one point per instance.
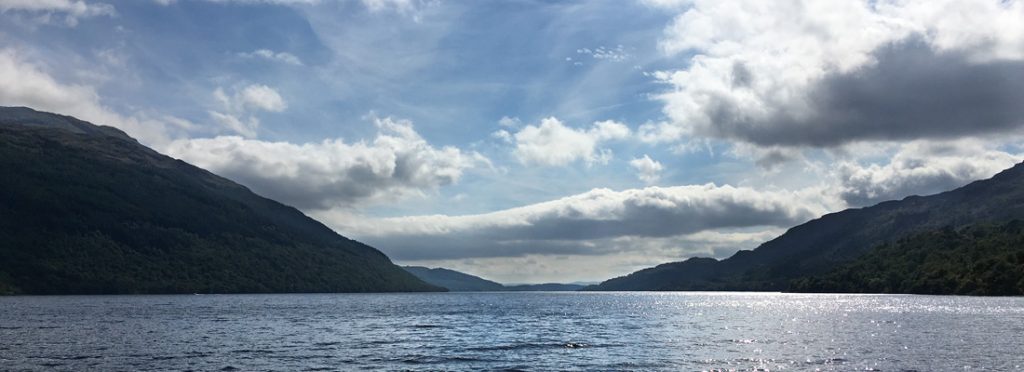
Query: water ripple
(512, 331)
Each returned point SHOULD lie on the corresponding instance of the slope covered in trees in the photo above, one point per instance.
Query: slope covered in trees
(975, 260)
(87, 209)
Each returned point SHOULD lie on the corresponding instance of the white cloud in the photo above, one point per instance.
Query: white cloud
(591, 223)
(71, 10)
(508, 122)
(246, 127)
(647, 170)
(667, 4)
(270, 55)
(333, 173)
(23, 83)
(261, 97)
(554, 144)
(401, 6)
(921, 168)
(826, 73)
(503, 136)
(277, 2)
(237, 110)
(614, 54)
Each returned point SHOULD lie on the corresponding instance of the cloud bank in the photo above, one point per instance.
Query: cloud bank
(333, 173)
(589, 223)
(824, 74)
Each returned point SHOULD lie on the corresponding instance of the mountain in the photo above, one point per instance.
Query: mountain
(453, 280)
(546, 287)
(976, 260)
(87, 209)
(461, 282)
(821, 245)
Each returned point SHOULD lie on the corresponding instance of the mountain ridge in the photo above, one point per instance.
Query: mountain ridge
(823, 243)
(457, 281)
(454, 281)
(87, 209)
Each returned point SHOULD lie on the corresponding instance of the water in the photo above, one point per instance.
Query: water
(523, 331)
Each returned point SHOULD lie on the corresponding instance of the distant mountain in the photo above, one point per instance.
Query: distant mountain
(87, 209)
(823, 244)
(548, 287)
(461, 282)
(976, 260)
(453, 280)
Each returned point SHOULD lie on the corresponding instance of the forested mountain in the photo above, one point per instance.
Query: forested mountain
(87, 209)
(823, 244)
(975, 260)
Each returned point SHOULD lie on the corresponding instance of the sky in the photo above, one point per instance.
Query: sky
(531, 141)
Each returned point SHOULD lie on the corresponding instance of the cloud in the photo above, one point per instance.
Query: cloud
(622, 255)
(400, 6)
(509, 122)
(921, 168)
(614, 54)
(647, 170)
(71, 10)
(258, 97)
(23, 83)
(237, 110)
(275, 2)
(590, 223)
(246, 127)
(553, 144)
(503, 136)
(333, 173)
(789, 74)
(283, 57)
(768, 158)
(667, 4)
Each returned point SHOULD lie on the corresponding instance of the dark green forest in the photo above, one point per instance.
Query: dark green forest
(975, 260)
(86, 210)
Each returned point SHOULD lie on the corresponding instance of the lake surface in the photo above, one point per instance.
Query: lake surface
(517, 331)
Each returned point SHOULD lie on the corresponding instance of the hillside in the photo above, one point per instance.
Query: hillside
(453, 280)
(461, 282)
(545, 287)
(975, 260)
(821, 245)
(87, 209)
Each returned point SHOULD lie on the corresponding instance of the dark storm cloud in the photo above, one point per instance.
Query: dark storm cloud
(910, 92)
